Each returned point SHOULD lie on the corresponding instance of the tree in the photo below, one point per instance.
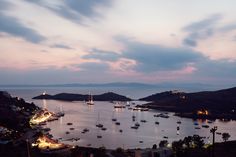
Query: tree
(225, 136)
(177, 147)
(154, 146)
(163, 143)
(188, 141)
(198, 141)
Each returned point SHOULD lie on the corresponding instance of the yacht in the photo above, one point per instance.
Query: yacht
(113, 117)
(119, 106)
(90, 100)
(98, 124)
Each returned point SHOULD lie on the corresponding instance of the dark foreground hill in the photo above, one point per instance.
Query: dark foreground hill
(15, 113)
(80, 97)
(221, 103)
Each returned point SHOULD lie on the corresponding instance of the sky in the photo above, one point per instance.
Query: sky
(100, 41)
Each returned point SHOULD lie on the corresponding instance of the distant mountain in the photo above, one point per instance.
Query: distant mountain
(216, 102)
(80, 97)
(114, 84)
(164, 85)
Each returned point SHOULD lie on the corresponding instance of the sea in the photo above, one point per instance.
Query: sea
(83, 116)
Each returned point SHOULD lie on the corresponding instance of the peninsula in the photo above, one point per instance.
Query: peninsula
(207, 104)
(109, 96)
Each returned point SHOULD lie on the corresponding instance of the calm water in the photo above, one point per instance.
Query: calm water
(84, 116)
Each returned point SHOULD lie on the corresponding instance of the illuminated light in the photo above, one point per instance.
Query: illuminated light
(44, 142)
(44, 93)
(41, 116)
(202, 112)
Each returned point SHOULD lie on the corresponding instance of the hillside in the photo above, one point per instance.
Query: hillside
(221, 102)
(110, 96)
(15, 113)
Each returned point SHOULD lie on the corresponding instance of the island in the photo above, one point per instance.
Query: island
(109, 96)
(207, 104)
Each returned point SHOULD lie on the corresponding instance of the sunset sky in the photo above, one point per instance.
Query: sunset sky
(98, 41)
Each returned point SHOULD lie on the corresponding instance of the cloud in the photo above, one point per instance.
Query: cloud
(152, 58)
(228, 28)
(93, 67)
(102, 55)
(200, 30)
(217, 68)
(149, 57)
(73, 9)
(61, 46)
(13, 27)
(4, 5)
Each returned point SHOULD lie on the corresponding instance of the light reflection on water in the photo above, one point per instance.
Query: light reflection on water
(83, 116)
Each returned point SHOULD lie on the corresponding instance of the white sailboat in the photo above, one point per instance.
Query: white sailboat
(90, 100)
(98, 124)
(113, 117)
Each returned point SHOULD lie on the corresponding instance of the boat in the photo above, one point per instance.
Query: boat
(137, 109)
(120, 130)
(86, 130)
(179, 122)
(165, 137)
(119, 106)
(197, 128)
(98, 124)
(69, 123)
(90, 100)
(134, 127)
(178, 128)
(218, 133)
(117, 123)
(144, 109)
(113, 117)
(140, 141)
(99, 136)
(164, 116)
(60, 114)
(133, 116)
(104, 129)
(137, 124)
(157, 123)
(205, 126)
(143, 121)
(209, 122)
